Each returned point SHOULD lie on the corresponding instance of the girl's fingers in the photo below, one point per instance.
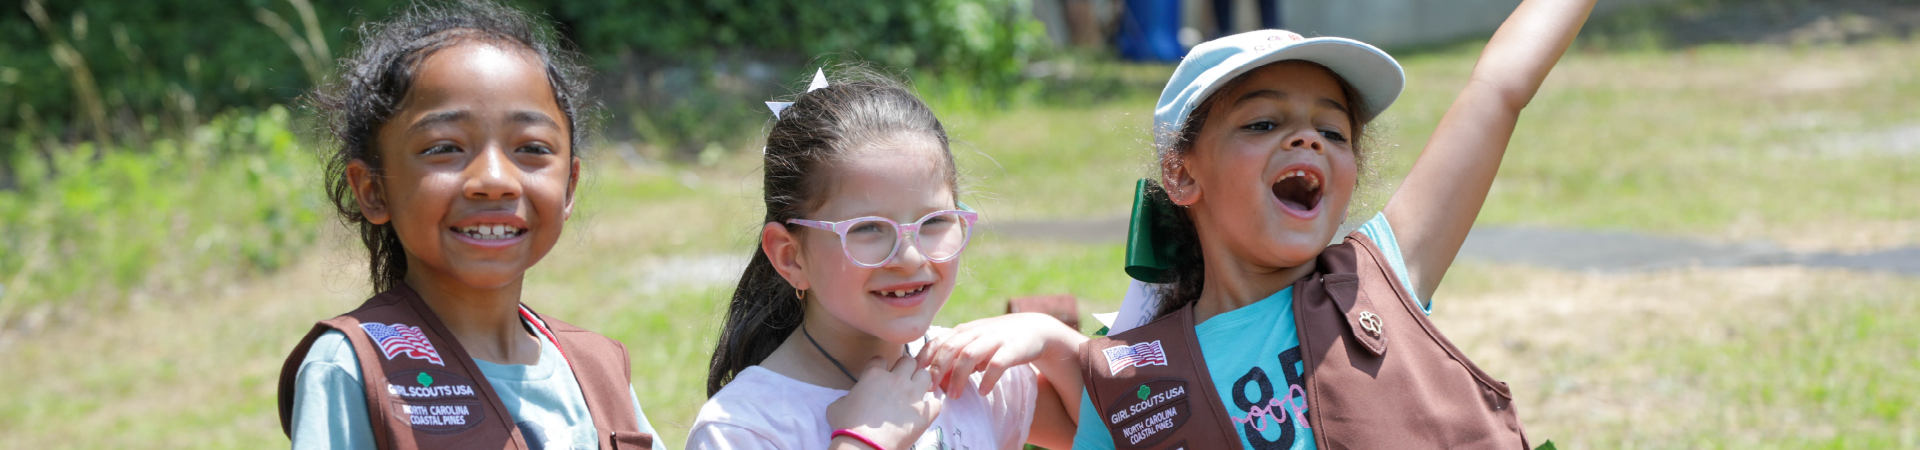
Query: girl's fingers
(951, 369)
(987, 355)
(950, 348)
(968, 360)
(942, 344)
(931, 408)
(875, 366)
(925, 356)
(929, 357)
(930, 353)
(995, 368)
(923, 382)
(921, 376)
(905, 367)
(937, 365)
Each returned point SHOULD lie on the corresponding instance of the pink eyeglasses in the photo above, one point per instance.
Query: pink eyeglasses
(873, 241)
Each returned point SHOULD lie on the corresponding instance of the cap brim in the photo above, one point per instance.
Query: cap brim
(1373, 74)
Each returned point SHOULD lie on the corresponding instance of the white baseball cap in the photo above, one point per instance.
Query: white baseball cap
(1374, 75)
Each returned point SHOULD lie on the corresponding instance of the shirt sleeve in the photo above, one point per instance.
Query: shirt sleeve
(720, 436)
(1381, 233)
(1012, 402)
(1092, 434)
(645, 427)
(329, 402)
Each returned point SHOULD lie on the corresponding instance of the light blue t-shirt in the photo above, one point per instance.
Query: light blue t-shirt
(330, 406)
(1253, 355)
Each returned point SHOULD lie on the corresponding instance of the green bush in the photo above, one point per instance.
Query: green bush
(681, 76)
(151, 66)
(142, 145)
(986, 41)
(132, 71)
(235, 197)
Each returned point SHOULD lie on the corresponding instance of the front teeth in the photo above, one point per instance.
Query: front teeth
(491, 232)
(902, 293)
(1312, 182)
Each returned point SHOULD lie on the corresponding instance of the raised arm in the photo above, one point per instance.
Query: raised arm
(1436, 205)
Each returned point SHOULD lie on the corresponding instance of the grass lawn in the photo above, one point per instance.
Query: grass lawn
(1794, 145)
(1812, 147)
(1748, 358)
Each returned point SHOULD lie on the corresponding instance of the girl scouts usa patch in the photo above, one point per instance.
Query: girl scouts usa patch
(435, 402)
(400, 339)
(1150, 414)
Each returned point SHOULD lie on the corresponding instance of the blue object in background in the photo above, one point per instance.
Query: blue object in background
(1150, 31)
(1271, 16)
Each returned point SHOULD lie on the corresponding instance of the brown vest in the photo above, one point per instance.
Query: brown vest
(424, 392)
(1418, 392)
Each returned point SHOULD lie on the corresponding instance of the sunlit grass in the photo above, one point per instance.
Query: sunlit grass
(1718, 141)
(87, 223)
(1705, 142)
(1731, 358)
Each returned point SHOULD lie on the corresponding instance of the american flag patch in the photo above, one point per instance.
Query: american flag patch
(400, 339)
(1136, 355)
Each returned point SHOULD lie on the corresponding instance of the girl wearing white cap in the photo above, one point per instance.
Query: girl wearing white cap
(1256, 333)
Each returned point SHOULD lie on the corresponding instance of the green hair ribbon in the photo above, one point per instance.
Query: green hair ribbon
(1150, 252)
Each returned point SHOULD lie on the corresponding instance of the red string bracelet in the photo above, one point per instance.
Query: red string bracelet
(857, 437)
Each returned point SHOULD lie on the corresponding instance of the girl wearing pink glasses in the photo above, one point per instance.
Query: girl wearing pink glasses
(828, 341)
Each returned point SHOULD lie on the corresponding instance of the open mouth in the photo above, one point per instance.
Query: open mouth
(896, 293)
(490, 232)
(1298, 190)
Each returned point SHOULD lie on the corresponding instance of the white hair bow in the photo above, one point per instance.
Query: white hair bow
(819, 81)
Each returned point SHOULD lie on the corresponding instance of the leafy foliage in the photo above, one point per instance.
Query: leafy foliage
(133, 71)
(160, 65)
(234, 197)
(142, 143)
(704, 66)
(986, 41)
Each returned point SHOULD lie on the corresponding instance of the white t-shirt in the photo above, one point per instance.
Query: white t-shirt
(762, 409)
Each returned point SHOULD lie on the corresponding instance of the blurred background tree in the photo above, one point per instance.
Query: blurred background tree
(119, 119)
(674, 73)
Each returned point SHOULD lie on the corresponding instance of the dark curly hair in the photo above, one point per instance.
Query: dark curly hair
(351, 107)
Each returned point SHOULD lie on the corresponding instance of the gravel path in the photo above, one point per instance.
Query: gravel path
(1556, 248)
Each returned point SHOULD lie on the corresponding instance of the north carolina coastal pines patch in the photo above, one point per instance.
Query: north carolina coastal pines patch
(1150, 413)
(400, 339)
(1137, 355)
(435, 402)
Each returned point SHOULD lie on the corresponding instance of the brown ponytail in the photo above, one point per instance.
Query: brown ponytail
(859, 108)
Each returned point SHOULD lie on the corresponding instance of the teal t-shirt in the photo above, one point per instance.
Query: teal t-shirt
(330, 406)
(1253, 355)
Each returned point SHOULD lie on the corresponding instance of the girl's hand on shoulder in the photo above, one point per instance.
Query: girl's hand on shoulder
(877, 406)
(995, 344)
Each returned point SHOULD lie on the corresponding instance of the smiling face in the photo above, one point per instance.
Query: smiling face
(894, 302)
(1270, 175)
(477, 171)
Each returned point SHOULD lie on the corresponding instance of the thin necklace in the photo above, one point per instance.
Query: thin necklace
(836, 362)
